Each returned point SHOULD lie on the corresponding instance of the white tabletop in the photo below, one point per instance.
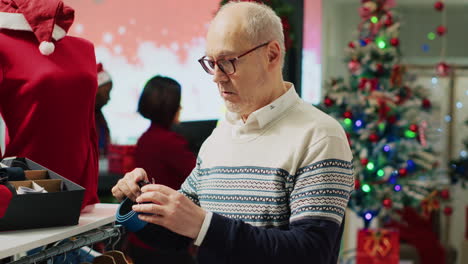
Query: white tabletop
(14, 242)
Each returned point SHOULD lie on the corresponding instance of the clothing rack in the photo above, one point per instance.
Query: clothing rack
(81, 241)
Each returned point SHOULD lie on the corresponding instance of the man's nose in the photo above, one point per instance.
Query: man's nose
(219, 75)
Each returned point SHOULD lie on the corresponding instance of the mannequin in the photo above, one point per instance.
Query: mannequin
(48, 84)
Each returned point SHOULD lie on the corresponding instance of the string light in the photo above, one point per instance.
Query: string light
(448, 118)
(366, 188)
(374, 20)
(463, 154)
(386, 148)
(380, 173)
(348, 122)
(370, 166)
(431, 36)
(435, 80)
(425, 48)
(368, 216)
(397, 188)
(459, 105)
(410, 134)
(358, 123)
(382, 127)
(381, 43)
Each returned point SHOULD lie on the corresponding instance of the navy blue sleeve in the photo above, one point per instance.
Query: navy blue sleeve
(307, 241)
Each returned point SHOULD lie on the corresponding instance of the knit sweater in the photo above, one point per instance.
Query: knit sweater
(277, 186)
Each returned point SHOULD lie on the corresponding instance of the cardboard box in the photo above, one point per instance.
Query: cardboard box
(50, 185)
(56, 208)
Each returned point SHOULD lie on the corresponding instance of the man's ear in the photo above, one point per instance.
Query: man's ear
(274, 54)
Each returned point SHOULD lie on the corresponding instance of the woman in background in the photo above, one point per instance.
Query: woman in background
(163, 154)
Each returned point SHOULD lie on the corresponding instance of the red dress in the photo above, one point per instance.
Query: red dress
(166, 158)
(47, 103)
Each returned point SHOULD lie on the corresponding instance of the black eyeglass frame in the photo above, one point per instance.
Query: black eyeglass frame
(216, 62)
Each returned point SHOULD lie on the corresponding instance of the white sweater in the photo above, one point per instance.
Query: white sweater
(288, 161)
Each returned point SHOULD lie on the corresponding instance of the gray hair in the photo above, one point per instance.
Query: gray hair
(262, 24)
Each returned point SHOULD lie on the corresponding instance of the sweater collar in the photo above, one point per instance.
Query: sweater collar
(265, 115)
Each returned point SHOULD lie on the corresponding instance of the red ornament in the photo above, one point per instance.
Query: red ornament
(448, 211)
(392, 119)
(445, 194)
(413, 127)
(443, 69)
(394, 42)
(387, 203)
(441, 30)
(348, 114)
(388, 22)
(426, 103)
(403, 172)
(379, 67)
(351, 45)
(357, 184)
(354, 66)
(374, 138)
(439, 5)
(364, 161)
(328, 102)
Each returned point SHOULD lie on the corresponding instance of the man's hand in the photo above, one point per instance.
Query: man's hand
(127, 186)
(170, 209)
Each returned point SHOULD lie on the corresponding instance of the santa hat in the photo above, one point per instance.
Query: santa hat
(49, 20)
(102, 76)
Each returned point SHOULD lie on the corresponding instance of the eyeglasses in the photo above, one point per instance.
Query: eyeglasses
(226, 66)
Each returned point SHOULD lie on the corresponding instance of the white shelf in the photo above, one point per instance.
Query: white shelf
(14, 242)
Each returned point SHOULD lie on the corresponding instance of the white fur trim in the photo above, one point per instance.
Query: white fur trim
(16, 21)
(46, 48)
(103, 78)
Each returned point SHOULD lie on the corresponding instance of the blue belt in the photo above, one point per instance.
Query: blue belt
(129, 218)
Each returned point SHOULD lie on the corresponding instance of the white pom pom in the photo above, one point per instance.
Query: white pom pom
(46, 47)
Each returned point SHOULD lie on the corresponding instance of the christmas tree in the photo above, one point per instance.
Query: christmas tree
(384, 117)
(459, 167)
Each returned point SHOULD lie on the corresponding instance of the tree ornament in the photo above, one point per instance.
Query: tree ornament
(387, 203)
(351, 45)
(445, 194)
(392, 119)
(354, 66)
(448, 210)
(439, 6)
(443, 69)
(379, 68)
(441, 30)
(348, 114)
(328, 102)
(388, 22)
(413, 127)
(426, 104)
(364, 161)
(403, 172)
(374, 138)
(357, 184)
(394, 42)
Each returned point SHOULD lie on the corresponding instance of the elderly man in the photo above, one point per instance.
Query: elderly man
(273, 180)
